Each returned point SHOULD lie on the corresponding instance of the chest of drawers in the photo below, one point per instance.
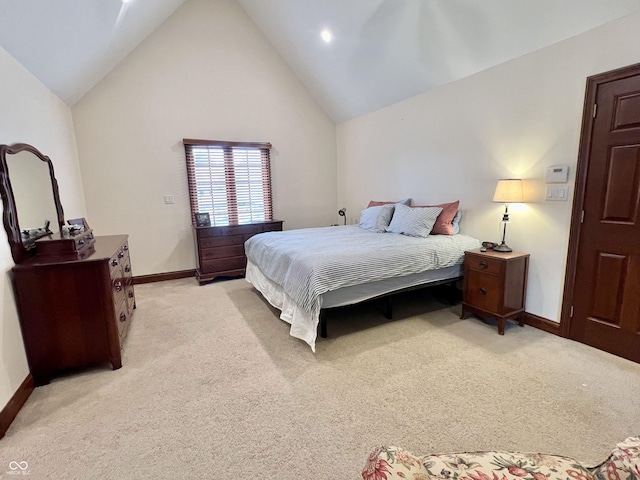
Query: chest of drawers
(220, 250)
(75, 310)
(495, 285)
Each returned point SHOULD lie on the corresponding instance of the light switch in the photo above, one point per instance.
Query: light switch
(557, 193)
(168, 199)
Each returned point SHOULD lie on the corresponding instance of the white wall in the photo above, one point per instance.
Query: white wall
(31, 114)
(511, 121)
(208, 73)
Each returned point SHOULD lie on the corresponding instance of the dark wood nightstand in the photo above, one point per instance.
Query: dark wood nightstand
(495, 285)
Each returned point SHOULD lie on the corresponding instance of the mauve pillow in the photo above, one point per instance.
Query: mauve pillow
(444, 222)
(374, 203)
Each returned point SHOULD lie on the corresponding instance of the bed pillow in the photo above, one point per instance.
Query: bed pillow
(414, 222)
(455, 223)
(374, 203)
(444, 223)
(376, 218)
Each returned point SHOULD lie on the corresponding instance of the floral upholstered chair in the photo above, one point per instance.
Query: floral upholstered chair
(390, 463)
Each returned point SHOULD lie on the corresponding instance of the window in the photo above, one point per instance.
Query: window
(229, 180)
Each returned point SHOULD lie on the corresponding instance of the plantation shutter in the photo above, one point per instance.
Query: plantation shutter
(229, 180)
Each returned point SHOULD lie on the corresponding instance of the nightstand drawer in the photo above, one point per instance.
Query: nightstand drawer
(483, 263)
(483, 291)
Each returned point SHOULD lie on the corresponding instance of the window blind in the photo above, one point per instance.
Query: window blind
(229, 180)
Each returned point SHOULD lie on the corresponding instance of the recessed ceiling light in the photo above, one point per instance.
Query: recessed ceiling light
(326, 35)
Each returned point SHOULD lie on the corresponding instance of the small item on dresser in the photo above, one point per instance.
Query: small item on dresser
(77, 225)
(75, 238)
(203, 220)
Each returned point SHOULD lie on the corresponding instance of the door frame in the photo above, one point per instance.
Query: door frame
(584, 154)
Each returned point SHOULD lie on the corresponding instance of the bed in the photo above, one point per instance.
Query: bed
(301, 272)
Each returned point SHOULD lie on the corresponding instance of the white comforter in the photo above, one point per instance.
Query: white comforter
(308, 262)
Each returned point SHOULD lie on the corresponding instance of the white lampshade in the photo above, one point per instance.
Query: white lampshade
(509, 190)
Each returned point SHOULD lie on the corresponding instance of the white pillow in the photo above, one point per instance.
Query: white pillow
(377, 218)
(455, 223)
(414, 222)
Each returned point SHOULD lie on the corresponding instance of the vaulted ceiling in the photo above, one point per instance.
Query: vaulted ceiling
(381, 52)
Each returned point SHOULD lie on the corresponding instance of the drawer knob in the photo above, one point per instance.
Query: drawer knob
(482, 291)
(130, 294)
(114, 262)
(126, 247)
(123, 317)
(127, 269)
(118, 286)
(483, 265)
(120, 254)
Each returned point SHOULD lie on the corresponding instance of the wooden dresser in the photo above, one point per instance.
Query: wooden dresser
(75, 308)
(495, 285)
(220, 250)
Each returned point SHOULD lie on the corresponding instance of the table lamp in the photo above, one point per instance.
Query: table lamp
(343, 213)
(508, 190)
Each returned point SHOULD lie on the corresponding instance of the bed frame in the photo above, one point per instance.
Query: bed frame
(388, 309)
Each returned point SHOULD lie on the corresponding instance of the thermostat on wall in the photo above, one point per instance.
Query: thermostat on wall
(557, 174)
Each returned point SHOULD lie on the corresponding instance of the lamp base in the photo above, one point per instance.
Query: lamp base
(502, 248)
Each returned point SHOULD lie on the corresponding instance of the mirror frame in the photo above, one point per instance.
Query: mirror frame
(19, 251)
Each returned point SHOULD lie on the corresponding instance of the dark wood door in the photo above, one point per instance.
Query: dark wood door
(603, 306)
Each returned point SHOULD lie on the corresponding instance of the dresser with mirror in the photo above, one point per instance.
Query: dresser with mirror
(74, 290)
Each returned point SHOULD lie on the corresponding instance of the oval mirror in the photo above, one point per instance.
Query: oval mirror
(31, 203)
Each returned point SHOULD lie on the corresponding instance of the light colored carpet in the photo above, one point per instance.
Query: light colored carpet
(213, 387)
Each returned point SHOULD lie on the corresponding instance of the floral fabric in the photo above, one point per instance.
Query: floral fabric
(388, 463)
(504, 466)
(623, 464)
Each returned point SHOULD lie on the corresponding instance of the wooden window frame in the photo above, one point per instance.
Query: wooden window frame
(231, 184)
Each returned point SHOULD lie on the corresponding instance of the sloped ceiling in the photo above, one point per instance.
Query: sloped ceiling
(70, 45)
(383, 51)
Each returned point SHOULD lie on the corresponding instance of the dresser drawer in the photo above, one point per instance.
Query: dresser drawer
(114, 266)
(118, 259)
(483, 291)
(126, 267)
(223, 264)
(230, 230)
(483, 263)
(122, 320)
(118, 287)
(208, 242)
(222, 252)
(131, 296)
(272, 227)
